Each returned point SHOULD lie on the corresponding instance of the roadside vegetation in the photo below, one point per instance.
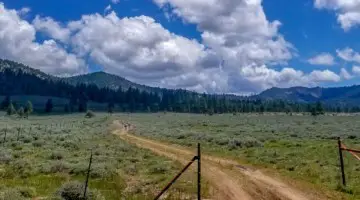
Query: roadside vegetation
(48, 156)
(302, 147)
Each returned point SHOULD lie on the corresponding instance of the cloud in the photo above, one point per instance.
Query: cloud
(115, 1)
(139, 48)
(107, 9)
(51, 28)
(239, 47)
(324, 76)
(344, 74)
(23, 11)
(322, 59)
(238, 32)
(356, 70)
(348, 55)
(347, 11)
(17, 39)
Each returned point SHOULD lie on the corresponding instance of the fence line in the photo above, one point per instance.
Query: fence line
(198, 158)
(342, 148)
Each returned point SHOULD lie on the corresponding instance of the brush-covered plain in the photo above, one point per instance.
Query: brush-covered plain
(47, 157)
(296, 147)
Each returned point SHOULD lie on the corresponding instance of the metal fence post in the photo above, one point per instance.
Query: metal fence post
(87, 176)
(341, 162)
(175, 178)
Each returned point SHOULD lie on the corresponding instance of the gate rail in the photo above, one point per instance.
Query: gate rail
(341, 148)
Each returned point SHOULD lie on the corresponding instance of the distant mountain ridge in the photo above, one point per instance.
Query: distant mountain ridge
(100, 79)
(337, 95)
(349, 95)
(105, 80)
(21, 68)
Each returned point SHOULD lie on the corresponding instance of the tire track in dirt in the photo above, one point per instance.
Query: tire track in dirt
(231, 180)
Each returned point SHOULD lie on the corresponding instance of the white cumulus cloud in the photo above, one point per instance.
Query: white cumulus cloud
(115, 1)
(322, 59)
(356, 70)
(52, 28)
(344, 74)
(238, 50)
(18, 42)
(347, 11)
(348, 55)
(324, 76)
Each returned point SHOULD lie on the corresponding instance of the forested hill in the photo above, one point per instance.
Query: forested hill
(17, 79)
(349, 95)
(105, 80)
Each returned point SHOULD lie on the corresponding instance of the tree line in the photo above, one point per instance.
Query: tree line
(135, 100)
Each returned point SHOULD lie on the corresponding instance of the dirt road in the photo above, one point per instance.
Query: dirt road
(231, 180)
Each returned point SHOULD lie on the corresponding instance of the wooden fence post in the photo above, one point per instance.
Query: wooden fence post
(199, 172)
(18, 135)
(341, 163)
(5, 135)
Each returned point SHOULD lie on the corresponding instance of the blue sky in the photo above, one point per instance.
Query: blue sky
(229, 46)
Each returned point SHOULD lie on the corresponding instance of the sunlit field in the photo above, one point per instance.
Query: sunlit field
(299, 147)
(44, 156)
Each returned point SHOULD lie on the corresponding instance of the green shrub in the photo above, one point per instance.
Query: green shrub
(71, 145)
(158, 169)
(22, 167)
(101, 171)
(89, 114)
(56, 155)
(74, 191)
(5, 157)
(79, 168)
(11, 194)
(27, 192)
(59, 166)
(244, 143)
(26, 139)
(38, 143)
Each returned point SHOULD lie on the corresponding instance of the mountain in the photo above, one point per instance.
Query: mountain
(22, 78)
(349, 95)
(100, 79)
(105, 80)
(21, 68)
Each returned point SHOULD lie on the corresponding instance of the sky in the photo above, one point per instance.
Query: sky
(212, 46)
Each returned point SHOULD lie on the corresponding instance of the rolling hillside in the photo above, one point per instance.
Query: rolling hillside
(339, 95)
(105, 80)
(335, 96)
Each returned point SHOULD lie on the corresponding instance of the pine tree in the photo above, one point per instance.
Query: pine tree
(111, 106)
(83, 103)
(49, 106)
(21, 112)
(66, 108)
(319, 108)
(28, 108)
(5, 103)
(10, 110)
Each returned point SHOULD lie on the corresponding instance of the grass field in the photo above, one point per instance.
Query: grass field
(299, 147)
(56, 150)
(43, 153)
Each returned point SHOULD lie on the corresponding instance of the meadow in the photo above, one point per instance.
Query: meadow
(296, 147)
(43, 155)
(47, 157)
